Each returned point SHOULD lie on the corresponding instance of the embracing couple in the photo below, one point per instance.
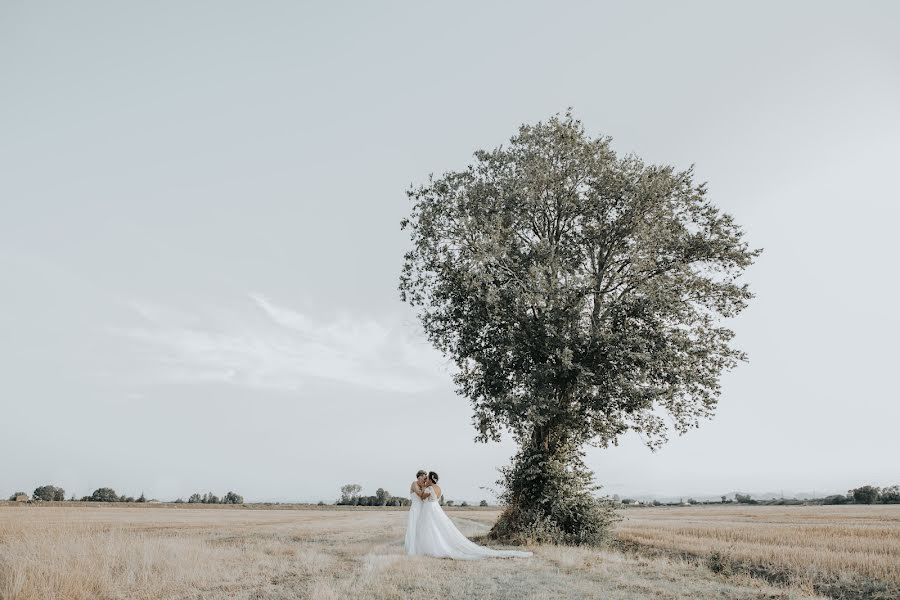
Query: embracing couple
(430, 532)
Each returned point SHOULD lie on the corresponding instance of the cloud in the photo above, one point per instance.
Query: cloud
(268, 346)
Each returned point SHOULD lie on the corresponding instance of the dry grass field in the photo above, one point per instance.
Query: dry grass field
(848, 551)
(112, 552)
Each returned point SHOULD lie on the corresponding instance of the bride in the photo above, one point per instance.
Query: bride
(434, 534)
(416, 493)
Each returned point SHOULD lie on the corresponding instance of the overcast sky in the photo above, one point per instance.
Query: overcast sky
(200, 243)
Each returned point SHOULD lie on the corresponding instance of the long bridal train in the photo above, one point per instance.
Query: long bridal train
(432, 533)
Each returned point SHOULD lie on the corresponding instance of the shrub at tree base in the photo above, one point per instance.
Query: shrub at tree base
(547, 501)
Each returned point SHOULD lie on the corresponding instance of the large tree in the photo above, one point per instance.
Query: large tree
(104, 495)
(350, 493)
(48, 493)
(580, 294)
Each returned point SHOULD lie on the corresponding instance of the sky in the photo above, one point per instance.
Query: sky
(200, 245)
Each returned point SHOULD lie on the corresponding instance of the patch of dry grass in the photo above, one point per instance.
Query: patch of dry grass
(848, 551)
(117, 553)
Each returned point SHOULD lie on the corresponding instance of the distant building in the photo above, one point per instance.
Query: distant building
(21, 497)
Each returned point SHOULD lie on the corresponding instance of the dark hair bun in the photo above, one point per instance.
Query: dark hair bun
(433, 476)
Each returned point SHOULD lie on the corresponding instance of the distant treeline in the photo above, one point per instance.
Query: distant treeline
(350, 496)
(867, 494)
(48, 493)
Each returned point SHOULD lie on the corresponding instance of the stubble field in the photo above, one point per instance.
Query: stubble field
(113, 552)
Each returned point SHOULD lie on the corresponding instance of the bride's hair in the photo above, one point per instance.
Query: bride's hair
(433, 476)
(420, 472)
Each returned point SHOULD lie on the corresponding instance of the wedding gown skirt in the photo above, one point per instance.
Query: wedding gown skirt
(436, 535)
(415, 508)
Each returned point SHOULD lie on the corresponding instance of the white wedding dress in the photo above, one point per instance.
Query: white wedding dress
(415, 508)
(436, 535)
